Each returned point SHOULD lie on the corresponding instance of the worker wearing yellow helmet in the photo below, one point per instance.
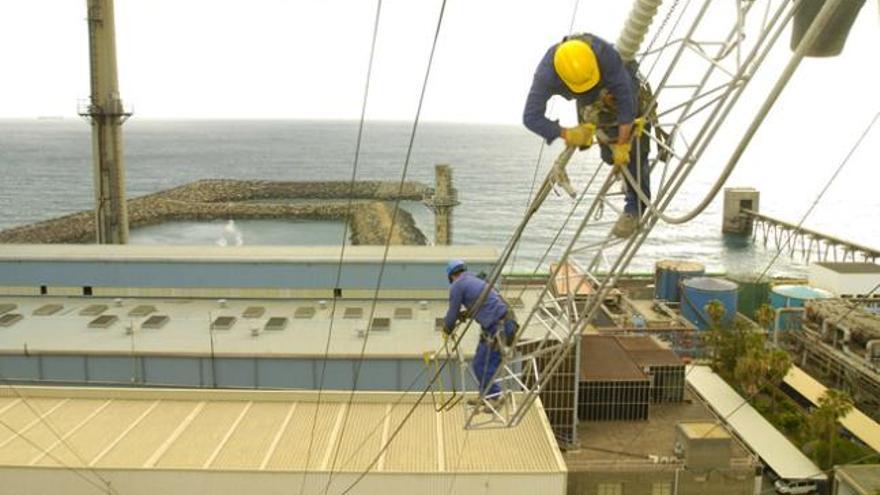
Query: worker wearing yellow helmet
(589, 70)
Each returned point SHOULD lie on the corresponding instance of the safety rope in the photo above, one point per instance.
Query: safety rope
(106, 487)
(343, 243)
(403, 175)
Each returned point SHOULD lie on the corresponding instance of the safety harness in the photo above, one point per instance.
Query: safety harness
(603, 111)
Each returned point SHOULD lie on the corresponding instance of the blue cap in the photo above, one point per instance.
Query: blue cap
(454, 267)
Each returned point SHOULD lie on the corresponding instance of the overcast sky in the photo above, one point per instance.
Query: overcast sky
(306, 58)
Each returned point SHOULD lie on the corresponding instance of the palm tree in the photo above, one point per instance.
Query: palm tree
(749, 372)
(833, 405)
(778, 364)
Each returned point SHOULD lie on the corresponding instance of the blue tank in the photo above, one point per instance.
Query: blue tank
(668, 275)
(697, 292)
(794, 296)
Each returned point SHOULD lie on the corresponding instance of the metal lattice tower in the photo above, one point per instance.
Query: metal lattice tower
(704, 74)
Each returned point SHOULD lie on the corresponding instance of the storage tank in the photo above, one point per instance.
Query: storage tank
(794, 296)
(697, 292)
(668, 275)
(754, 291)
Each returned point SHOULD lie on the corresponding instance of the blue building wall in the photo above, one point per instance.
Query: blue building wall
(205, 372)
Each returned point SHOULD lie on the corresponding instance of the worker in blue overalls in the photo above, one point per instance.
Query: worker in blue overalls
(589, 70)
(493, 315)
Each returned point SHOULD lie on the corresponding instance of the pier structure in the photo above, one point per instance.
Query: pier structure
(441, 202)
(742, 216)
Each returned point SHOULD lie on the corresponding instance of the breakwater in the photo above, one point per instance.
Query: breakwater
(369, 216)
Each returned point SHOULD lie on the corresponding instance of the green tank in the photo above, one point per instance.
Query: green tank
(752, 293)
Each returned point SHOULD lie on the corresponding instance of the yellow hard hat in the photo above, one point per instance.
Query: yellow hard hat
(576, 65)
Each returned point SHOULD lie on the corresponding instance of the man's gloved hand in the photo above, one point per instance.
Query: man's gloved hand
(580, 136)
(620, 153)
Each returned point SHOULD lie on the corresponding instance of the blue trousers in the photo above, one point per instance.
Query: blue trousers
(487, 360)
(485, 364)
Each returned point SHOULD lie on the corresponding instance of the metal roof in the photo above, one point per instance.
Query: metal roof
(776, 451)
(187, 330)
(850, 267)
(863, 477)
(257, 254)
(604, 359)
(266, 431)
(858, 423)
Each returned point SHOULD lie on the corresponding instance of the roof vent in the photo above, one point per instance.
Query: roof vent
(253, 312)
(155, 322)
(93, 310)
(381, 324)
(223, 323)
(10, 319)
(142, 310)
(117, 302)
(423, 305)
(275, 324)
(48, 309)
(221, 303)
(103, 321)
(322, 304)
(353, 313)
(304, 313)
(403, 313)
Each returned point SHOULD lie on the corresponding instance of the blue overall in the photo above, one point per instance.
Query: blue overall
(465, 291)
(620, 81)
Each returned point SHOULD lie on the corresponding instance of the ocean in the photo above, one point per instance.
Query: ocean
(46, 171)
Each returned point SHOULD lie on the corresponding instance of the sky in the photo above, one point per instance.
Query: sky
(306, 59)
(283, 59)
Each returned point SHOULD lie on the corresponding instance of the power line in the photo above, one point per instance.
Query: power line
(339, 264)
(379, 278)
(821, 193)
(45, 421)
(106, 488)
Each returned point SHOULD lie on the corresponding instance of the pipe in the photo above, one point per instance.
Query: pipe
(779, 312)
(636, 27)
(822, 19)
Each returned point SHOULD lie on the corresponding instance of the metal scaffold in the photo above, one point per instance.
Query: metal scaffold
(705, 71)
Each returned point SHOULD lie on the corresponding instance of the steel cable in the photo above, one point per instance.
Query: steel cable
(339, 264)
(403, 175)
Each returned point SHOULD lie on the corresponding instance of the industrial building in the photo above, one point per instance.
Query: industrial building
(775, 451)
(857, 479)
(846, 279)
(178, 441)
(228, 317)
(620, 376)
(679, 449)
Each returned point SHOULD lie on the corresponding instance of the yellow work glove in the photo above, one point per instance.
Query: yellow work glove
(581, 135)
(620, 153)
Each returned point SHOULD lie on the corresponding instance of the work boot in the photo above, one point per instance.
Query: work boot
(626, 224)
(496, 402)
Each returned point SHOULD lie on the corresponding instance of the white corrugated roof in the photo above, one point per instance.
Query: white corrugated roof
(858, 423)
(263, 431)
(774, 449)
